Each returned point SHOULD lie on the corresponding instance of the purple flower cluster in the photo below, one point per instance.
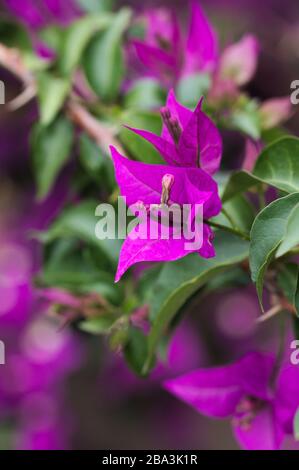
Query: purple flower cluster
(191, 146)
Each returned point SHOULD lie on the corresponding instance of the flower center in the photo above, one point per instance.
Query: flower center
(246, 411)
(167, 182)
(172, 124)
(163, 42)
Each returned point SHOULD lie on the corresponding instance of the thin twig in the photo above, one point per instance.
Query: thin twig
(103, 135)
(235, 231)
(270, 313)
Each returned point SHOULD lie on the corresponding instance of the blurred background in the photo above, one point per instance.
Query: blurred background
(63, 388)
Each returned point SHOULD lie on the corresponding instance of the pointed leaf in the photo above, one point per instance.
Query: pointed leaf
(277, 166)
(267, 233)
(51, 147)
(103, 60)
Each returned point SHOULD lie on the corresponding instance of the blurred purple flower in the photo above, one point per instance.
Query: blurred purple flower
(239, 61)
(275, 112)
(252, 151)
(40, 13)
(261, 415)
(165, 52)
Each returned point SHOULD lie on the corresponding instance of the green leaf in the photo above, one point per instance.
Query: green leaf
(13, 34)
(179, 280)
(70, 266)
(52, 93)
(97, 325)
(296, 426)
(103, 61)
(139, 148)
(75, 39)
(80, 221)
(241, 213)
(267, 233)
(135, 350)
(96, 163)
(277, 166)
(192, 87)
(51, 148)
(247, 122)
(288, 281)
(291, 238)
(95, 6)
(145, 93)
(52, 36)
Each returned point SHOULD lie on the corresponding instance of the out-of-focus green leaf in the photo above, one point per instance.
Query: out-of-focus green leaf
(13, 34)
(145, 93)
(97, 325)
(71, 266)
(179, 280)
(135, 350)
(95, 6)
(79, 221)
(96, 163)
(247, 119)
(52, 92)
(51, 148)
(103, 61)
(291, 238)
(267, 233)
(288, 281)
(76, 37)
(192, 87)
(137, 146)
(278, 166)
(52, 36)
(241, 213)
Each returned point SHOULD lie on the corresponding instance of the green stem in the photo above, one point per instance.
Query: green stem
(229, 217)
(280, 352)
(235, 231)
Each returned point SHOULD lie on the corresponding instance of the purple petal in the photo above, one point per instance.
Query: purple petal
(275, 111)
(216, 392)
(178, 111)
(143, 182)
(212, 392)
(164, 147)
(207, 250)
(239, 61)
(252, 151)
(287, 397)
(200, 143)
(263, 432)
(161, 64)
(138, 250)
(202, 46)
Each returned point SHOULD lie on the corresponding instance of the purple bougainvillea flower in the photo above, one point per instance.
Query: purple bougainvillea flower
(252, 150)
(239, 61)
(275, 111)
(147, 185)
(261, 414)
(201, 53)
(163, 37)
(167, 55)
(39, 13)
(189, 138)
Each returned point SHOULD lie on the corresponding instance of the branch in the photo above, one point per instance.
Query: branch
(104, 136)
